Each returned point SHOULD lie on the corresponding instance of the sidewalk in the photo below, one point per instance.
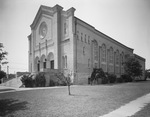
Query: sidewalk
(130, 108)
(6, 89)
(15, 82)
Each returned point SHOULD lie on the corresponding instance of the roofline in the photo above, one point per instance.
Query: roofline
(139, 57)
(103, 34)
(45, 10)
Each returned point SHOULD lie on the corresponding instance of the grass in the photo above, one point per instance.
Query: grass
(144, 112)
(89, 101)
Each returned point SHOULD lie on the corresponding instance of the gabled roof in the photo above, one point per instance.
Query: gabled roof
(45, 10)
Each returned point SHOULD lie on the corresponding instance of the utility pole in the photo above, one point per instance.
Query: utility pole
(7, 71)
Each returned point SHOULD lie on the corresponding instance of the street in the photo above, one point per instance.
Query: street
(85, 100)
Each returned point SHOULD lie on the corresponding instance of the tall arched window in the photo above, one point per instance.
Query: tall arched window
(50, 60)
(117, 57)
(81, 36)
(110, 69)
(117, 61)
(65, 28)
(65, 61)
(95, 51)
(37, 63)
(103, 53)
(77, 35)
(111, 56)
(43, 62)
(122, 63)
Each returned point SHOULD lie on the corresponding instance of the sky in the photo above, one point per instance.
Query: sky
(127, 21)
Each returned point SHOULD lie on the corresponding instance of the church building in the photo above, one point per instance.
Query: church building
(60, 40)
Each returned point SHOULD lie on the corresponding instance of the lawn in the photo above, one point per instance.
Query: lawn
(144, 112)
(85, 101)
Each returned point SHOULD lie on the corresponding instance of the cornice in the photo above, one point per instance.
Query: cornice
(139, 57)
(42, 48)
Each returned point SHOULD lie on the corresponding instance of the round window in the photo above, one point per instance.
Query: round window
(43, 30)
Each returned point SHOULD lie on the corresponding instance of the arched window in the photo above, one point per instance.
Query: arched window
(95, 54)
(37, 63)
(65, 61)
(111, 56)
(88, 39)
(95, 51)
(117, 57)
(103, 53)
(85, 38)
(117, 61)
(81, 37)
(83, 50)
(77, 35)
(122, 62)
(43, 62)
(122, 59)
(65, 28)
(50, 60)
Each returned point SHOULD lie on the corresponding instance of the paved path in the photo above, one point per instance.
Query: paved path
(130, 108)
(5, 89)
(15, 82)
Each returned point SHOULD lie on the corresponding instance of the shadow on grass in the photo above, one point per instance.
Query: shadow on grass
(1, 90)
(9, 106)
(78, 95)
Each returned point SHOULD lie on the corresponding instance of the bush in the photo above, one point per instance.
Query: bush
(31, 80)
(55, 81)
(52, 83)
(119, 80)
(2, 74)
(40, 80)
(27, 81)
(104, 80)
(112, 78)
(126, 78)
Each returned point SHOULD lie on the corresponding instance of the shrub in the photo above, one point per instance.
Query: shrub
(27, 80)
(55, 81)
(40, 80)
(119, 80)
(126, 78)
(52, 83)
(2, 74)
(112, 78)
(104, 80)
(32, 80)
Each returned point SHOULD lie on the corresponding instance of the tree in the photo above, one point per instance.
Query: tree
(65, 79)
(147, 73)
(2, 74)
(133, 68)
(2, 55)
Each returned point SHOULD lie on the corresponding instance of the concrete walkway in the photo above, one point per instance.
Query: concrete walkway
(5, 89)
(131, 108)
(15, 82)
